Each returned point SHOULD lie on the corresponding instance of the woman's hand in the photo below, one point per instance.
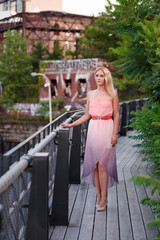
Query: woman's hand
(66, 125)
(114, 140)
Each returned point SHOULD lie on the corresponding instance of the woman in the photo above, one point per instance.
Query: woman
(100, 167)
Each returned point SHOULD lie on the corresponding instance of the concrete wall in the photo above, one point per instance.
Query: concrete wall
(19, 130)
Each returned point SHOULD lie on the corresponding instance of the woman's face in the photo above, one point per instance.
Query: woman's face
(99, 77)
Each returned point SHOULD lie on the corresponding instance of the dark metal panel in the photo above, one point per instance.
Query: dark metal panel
(37, 227)
(123, 130)
(59, 215)
(74, 169)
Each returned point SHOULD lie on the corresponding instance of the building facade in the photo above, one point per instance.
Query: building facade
(39, 20)
(70, 79)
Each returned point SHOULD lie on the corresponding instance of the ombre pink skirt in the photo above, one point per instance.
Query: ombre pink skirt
(99, 149)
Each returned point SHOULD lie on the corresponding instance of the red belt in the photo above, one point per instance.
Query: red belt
(102, 118)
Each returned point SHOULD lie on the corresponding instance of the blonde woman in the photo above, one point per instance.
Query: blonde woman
(100, 167)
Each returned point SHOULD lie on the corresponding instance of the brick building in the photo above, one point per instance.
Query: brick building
(42, 20)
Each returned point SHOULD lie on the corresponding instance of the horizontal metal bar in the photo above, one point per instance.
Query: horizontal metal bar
(7, 179)
(31, 137)
(20, 166)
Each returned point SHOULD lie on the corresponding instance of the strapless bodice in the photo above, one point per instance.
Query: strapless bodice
(100, 107)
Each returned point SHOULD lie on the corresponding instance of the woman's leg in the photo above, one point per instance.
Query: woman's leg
(103, 180)
(97, 184)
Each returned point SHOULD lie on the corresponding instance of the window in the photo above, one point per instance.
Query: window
(67, 30)
(54, 92)
(66, 45)
(82, 87)
(68, 88)
(76, 33)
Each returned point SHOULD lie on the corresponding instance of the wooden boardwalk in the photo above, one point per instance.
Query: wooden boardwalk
(124, 219)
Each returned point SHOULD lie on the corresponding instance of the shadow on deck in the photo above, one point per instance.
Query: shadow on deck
(124, 219)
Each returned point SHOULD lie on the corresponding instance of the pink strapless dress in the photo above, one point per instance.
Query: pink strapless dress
(98, 143)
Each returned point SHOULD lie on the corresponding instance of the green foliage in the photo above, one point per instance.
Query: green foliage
(69, 54)
(154, 204)
(97, 39)
(138, 27)
(38, 53)
(57, 104)
(57, 53)
(15, 69)
(147, 125)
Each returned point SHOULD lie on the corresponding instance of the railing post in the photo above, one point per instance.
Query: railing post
(123, 130)
(132, 107)
(1, 222)
(37, 227)
(74, 167)
(141, 103)
(59, 214)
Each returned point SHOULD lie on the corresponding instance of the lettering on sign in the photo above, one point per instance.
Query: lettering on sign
(72, 64)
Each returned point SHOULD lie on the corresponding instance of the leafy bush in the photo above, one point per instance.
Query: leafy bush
(15, 69)
(147, 125)
(154, 204)
(57, 104)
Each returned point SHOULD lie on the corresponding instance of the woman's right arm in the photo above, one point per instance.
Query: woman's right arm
(82, 119)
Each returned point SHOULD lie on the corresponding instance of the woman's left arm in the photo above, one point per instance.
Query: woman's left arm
(116, 120)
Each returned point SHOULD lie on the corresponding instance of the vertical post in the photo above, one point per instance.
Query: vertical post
(74, 168)
(132, 107)
(59, 215)
(1, 221)
(77, 39)
(1, 163)
(123, 131)
(141, 103)
(50, 102)
(37, 227)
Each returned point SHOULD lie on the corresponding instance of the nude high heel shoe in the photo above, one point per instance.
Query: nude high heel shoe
(100, 209)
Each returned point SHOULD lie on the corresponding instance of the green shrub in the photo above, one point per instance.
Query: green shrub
(57, 104)
(154, 204)
(147, 125)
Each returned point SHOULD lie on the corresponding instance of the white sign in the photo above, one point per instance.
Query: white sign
(75, 64)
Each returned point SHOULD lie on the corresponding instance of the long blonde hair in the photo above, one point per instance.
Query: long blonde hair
(109, 87)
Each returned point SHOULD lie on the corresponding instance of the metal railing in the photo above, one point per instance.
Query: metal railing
(34, 188)
(22, 148)
(19, 184)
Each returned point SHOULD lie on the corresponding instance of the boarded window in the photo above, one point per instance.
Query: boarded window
(68, 88)
(54, 92)
(82, 87)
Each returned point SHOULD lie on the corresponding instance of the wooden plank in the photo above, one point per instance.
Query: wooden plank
(123, 212)
(134, 208)
(120, 148)
(126, 148)
(59, 232)
(112, 215)
(99, 232)
(146, 211)
(76, 217)
(120, 143)
(123, 207)
(86, 229)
